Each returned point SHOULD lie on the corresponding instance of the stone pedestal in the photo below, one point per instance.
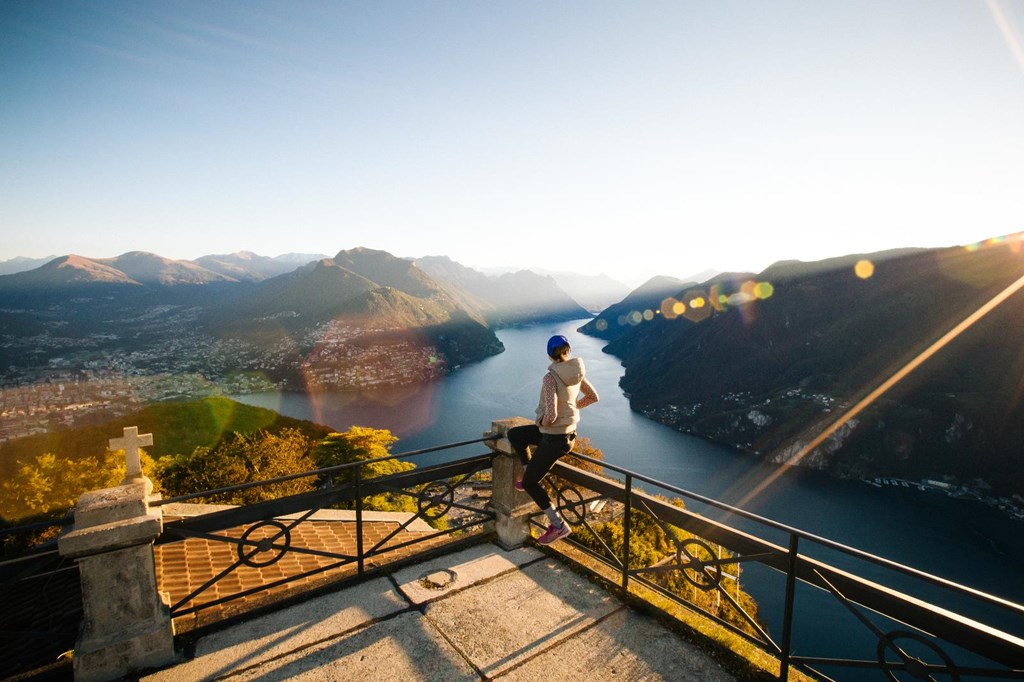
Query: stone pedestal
(126, 624)
(512, 507)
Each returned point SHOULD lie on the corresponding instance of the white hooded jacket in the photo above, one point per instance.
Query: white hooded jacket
(558, 411)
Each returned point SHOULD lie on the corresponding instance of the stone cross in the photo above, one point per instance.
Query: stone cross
(130, 443)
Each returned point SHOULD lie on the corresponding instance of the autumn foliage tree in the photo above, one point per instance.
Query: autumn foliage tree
(47, 486)
(241, 459)
(371, 448)
(584, 446)
(653, 543)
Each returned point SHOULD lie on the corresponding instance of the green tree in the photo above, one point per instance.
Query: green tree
(47, 485)
(368, 446)
(202, 469)
(242, 459)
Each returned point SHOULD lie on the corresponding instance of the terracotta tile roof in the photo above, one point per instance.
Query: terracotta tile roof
(185, 566)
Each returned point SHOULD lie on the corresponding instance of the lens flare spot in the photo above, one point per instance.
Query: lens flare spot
(601, 325)
(716, 298)
(672, 308)
(864, 269)
(697, 308)
(648, 315)
(668, 308)
(635, 317)
(763, 290)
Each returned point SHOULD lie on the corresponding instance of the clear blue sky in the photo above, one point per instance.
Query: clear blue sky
(632, 138)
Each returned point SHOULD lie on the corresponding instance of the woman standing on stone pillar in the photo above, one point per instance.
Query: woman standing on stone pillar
(564, 392)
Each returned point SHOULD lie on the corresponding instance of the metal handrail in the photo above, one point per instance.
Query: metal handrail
(280, 516)
(860, 593)
(316, 472)
(797, 566)
(824, 542)
(66, 520)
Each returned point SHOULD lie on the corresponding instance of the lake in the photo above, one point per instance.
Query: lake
(959, 540)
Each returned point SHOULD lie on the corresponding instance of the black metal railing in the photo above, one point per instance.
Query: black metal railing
(40, 597)
(264, 533)
(911, 625)
(898, 630)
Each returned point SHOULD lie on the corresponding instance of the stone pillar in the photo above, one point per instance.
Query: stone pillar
(126, 623)
(512, 507)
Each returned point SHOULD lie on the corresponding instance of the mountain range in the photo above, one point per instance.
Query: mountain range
(590, 292)
(767, 362)
(761, 361)
(95, 311)
(246, 266)
(133, 269)
(507, 298)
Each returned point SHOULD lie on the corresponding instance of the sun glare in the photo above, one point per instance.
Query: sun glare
(1009, 35)
(883, 387)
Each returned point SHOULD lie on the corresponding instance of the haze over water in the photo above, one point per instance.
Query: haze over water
(959, 540)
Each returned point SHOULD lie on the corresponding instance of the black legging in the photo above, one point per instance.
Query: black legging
(550, 447)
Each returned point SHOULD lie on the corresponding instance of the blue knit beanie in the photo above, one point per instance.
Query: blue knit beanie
(556, 342)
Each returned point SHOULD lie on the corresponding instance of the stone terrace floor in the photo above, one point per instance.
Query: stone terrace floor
(478, 613)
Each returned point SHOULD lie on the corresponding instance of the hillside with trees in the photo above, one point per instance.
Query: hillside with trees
(197, 446)
(766, 363)
(45, 474)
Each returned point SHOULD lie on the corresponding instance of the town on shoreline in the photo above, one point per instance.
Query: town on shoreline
(977, 490)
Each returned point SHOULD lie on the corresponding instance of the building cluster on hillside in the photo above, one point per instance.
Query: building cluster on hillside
(681, 417)
(350, 366)
(349, 357)
(64, 400)
(103, 377)
(106, 376)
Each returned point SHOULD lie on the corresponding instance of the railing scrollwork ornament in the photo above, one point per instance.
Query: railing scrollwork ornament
(915, 667)
(435, 500)
(572, 505)
(698, 564)
(250, 548)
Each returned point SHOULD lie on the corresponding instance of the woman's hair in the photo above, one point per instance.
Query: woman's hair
(558, 348)
(561, 353)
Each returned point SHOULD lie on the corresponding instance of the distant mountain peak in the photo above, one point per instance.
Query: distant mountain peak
(300, 258)
(66, 271)
(387, 270)
(21, 264)
(246, 266)
(149, 268)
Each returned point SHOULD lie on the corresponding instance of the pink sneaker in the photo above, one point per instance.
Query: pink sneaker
(554, 533)
(518, 485)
